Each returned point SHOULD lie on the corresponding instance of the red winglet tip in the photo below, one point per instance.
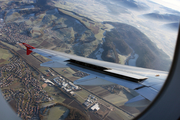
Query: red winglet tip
(28, 48)
(28, 51)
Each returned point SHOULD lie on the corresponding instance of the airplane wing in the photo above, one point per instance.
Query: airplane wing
(146, 82)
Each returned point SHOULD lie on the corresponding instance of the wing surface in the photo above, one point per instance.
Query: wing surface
(146, 82)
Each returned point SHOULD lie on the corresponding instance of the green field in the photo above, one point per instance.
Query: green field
(115, 115)
(11, 46)
(43, 69)
(49, 89)
(5, 55)
(115, 99)
(97, 89)
(56, 112)
(66, 72)
(52, 90)
(84, 94)
(15, 85)
(80, 99)
(70, 70)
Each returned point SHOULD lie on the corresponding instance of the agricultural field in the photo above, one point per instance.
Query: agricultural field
(66, 72)
(15, 47)
(43, 69)
(4, 56)
(114, 115)
(53, 92)
(80, 99)
(81, 95)
(56, 112)
(15, 85)
(115, 99)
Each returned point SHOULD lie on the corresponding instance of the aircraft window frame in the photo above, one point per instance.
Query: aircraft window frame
(158, 107)
(159, 102)
(151, 112)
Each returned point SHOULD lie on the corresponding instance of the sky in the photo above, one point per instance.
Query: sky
(173, 4)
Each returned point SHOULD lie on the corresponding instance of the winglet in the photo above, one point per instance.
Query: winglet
(29, 48)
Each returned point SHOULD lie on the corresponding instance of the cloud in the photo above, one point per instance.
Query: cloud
(173, 4)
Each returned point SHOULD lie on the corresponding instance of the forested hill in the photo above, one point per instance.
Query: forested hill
(150, 56)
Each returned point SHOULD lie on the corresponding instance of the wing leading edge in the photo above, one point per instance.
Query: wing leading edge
(146, 82)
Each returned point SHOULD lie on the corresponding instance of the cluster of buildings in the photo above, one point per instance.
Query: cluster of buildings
(49, 73)
(91, 102)
(13, 32)
(7, 81)
(66, 85)
(7, 93)
(47, 81)
(95, 107)
(25, 92)
(14, 68)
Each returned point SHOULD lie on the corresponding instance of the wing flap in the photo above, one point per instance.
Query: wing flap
(135, 99)
(138, 101)
(148, 93)
(133, 76)
(146, 82)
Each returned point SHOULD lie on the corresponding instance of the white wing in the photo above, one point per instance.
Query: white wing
(146, 82)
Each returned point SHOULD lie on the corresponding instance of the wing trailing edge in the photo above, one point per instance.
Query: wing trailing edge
(148, 93)
(138, 101)
(143, 81)
(134, 77)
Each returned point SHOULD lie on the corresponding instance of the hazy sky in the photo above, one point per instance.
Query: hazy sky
(173, 4)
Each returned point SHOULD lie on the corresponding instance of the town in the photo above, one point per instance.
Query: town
(21, 89)
(24, 92)
(13, 32)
